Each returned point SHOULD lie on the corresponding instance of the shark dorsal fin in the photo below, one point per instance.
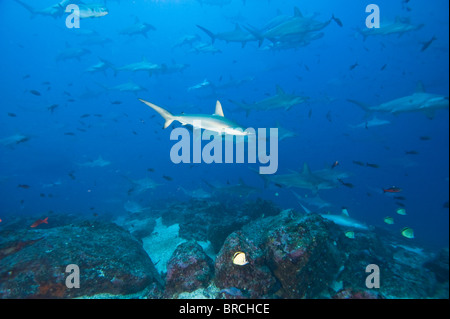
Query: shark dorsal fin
(280, 90)
(345, 212)
(419, 87)
(237, 27)
(297, 12)
(219, 110)
(306, 169)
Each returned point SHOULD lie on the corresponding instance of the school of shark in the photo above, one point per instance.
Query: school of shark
(109, 105)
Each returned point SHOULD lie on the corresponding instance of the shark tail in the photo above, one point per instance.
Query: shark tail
(211, 35)
(167, 116)
(256, 33)
(242, 105)
(28, 7)
(362, 105)
(337, 20)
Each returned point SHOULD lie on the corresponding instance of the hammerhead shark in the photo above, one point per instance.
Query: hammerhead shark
(216, 122)
(280, 100)
(419, 101)
(58, 9)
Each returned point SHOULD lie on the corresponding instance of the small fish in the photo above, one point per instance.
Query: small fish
(427, 44)
(24, 186)
(400, 204)
(1, 220)
(358, 163)
(389, 220)
(85, 115)
(116, 102)
(52, 107)
(71, 175)
(168, 178)
(239, 259)
(425, 138)
(353, 66)
(12, 114)
(400, 197)
(26, 76)
(392, 189)
(350, 234)
(39, 221)
(407, 232)
(310, 113)
(69, 133)
(372, 165)
(335, 164)
(150, 170)
(42, 194)
(401, 211)
(383, 67)
(34, 92)
(98, 115)
(412, 152)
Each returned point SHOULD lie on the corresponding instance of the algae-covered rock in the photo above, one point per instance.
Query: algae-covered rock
(188, 269)
(33, 262)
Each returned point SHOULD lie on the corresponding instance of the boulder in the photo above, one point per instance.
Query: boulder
(188, 269)
(33, 262)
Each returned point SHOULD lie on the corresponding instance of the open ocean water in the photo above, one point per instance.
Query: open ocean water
(363, 141)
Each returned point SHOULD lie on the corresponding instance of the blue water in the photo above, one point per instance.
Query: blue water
(130, 135)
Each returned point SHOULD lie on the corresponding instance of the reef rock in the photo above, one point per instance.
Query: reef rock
(33, 262)
(188, 269)
(254, 279)
(289, 256)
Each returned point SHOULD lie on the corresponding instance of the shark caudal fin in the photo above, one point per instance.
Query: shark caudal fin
(28, 7)
(211, 35)
(256, 33)
(367, 108)
(167, 116)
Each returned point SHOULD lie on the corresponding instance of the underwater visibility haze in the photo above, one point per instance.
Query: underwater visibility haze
(90, 171)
